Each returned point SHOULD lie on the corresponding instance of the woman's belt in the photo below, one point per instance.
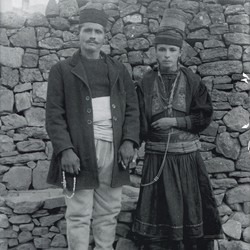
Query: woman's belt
(173, 147)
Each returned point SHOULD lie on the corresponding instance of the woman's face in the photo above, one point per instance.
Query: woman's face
(168, 56)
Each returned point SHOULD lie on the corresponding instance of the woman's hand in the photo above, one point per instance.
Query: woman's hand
(164, 123)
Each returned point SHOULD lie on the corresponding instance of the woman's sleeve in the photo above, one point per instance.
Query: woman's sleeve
(201, 111)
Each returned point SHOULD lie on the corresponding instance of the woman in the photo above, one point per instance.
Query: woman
(176, 207)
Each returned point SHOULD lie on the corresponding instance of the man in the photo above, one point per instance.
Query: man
(92, 119)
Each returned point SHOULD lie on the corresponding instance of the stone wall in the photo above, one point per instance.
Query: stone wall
(217, 48)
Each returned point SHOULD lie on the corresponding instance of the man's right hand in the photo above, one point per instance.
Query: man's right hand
(70, 162)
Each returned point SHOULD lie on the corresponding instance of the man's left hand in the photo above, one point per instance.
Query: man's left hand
(164, 123)
(126, 153)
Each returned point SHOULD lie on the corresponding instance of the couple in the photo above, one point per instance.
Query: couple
(94, 120)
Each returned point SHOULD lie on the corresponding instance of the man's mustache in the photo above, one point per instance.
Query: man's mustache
(92, 41)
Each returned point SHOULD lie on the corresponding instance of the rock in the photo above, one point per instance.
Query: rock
(6, 101)
(14, 121)
(238, 194)
(119, 42)
(4, 244)
(37, 19)
(130, 9)
(18, 178)
(40, 175)
(242, 86)
(59, 241)
(26, 246)
(3, 37)
(227, 146)
(41, 33)
(201, 34)
(22, 87)
(219, 199)
(30, 75)
(149, 56)
(237, 99)
(20, 219)
(52, 9)
(211, 130)
(59, 23)
(7, 233)
(218, 28)
(236, 118)
(51, 43)
(138, 43)
(6, 143)
(54, 202)
(139, 71)
(212, 43)
(244, 219)
(62, 226)
(239, 28)
(224, 210)
(246, 67)
(34, 132)
(223, 183)
(246, 54)
(24, 237)
(22, 158)
(11, 57)
(30, 60)
(234, 52)
(117, 27)
(38, 231)
(187, 6)
(27, 227)
(42, 242)
(30, 146)
(217, 17)
(237, 38)
(46, 62)
(232, 229)
(188, 52)
(69, 36)
(124, 244)
(39, 93)
(219, 96)
(135, 57)
(3, 169)
(220, 68)
(241, 19)
(68, 8)
(201, 20)
(4, 222)
(244, 138)
(11, 20)
(47, 221)
(35, 116)
(246, 234)
(67, 52)
(10, 77)
(136, 18)
(153, 25)
(22, 101)
(25, 38)
(219, 165)
(135, 30)
(243, 161)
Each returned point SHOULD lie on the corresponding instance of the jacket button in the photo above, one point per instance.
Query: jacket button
(89, 110)
(87, 98)
(115, 118)
(113, 106)
(89, 121)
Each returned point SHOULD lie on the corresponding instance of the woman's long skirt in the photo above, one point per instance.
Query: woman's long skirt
(180, 206)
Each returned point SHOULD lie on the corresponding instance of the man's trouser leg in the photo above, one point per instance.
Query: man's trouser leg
(107, 200)
(78, 215)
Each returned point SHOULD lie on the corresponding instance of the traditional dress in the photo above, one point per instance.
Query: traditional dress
(176, 201)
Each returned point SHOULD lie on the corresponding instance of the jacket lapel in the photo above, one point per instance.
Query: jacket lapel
(113, 72)
(78, 68)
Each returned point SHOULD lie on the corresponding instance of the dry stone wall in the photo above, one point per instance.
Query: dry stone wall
(217, 48)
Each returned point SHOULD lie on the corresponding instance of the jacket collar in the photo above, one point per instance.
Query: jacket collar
(79, 71)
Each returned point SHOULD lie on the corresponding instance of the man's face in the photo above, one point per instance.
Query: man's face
(92, 36)
(168, 56)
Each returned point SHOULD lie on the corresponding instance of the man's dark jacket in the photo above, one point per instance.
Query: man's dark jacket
(69, 119)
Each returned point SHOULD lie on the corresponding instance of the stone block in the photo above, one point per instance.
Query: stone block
(59, 241)
(224, 210)
(47, 221)
(119, 42)
(236, 99)
(149, 56)
(238, 194)
(35, 116)
(242, 162)
(246, 235)
(20, 219)
(22, 87)
(32, 145)
(232, 229)
(25, 38)
(135, 57)
(218, 28)
(22, 101)
(39, 231)
(135, 30)
(11, 20)
(27, 227)
(237, 38)
(240, 19)
(30, 60)
(246, 67)
(213, 43)
(39, 93)
(130, 9)
(54, 202)
(138, 44)
(30, 75)
(37, 20)
(69, 36)
(11, 57)
(67, 52)
(227, 146)
(59, 23)
(10, 77)
(6, 101)
(24, 237)
(52, 9)
(236, 118)
(135, 18)
(4, 222)
(62, 226)
(117, 27)
(219, 165)
(223, 183)
(14, 121)
(7, 144)
(3, 244)
(68, 8)
(201, 34)
(234, 52)
(244, 219)
(51, 43)
(42, 242)
(186, 6)
(3, 37)
(244, 138)
(34, 132)
(201, 20)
